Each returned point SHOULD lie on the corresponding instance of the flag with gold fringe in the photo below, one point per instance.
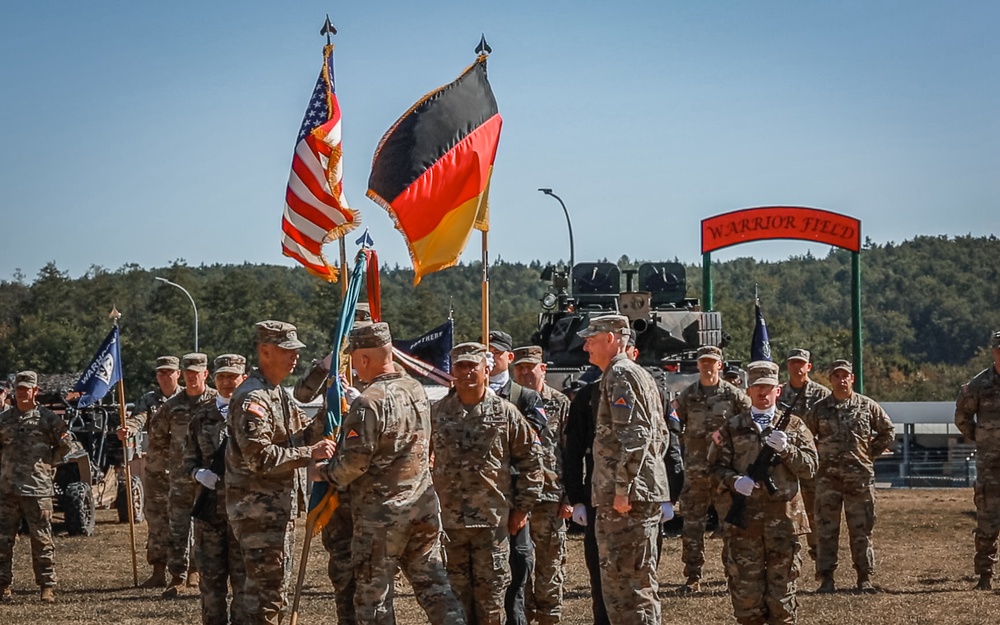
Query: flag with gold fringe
(316, 210)
(432, 169)
(323, 500)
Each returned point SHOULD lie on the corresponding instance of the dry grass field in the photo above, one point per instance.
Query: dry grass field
(923, 542)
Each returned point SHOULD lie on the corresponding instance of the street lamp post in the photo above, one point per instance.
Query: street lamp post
(165, 281)
(569, 225)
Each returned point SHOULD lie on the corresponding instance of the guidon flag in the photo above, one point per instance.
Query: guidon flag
(431, 170)
(316, 211)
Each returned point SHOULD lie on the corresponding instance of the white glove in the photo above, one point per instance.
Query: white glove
(744, 486)
(490, 363)
(350, 394)
(777, 440)
(666, 511)
(206, 478)
(580, 514)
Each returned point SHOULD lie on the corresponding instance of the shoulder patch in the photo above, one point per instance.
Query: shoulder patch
(352, 434)
(254, 408)
(622, 402)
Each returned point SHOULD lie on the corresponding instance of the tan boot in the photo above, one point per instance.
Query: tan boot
(194, 579)
(692, 585)
(985, 582)
(48, 594)
(6, 596)
(158, 579)
(175, 588)
(826, 585)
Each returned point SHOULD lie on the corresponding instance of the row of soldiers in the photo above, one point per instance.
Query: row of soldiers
(414, 471)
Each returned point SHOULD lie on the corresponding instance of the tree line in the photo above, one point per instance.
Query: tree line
(928, 307)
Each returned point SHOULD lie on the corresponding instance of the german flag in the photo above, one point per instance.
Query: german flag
(432, 169)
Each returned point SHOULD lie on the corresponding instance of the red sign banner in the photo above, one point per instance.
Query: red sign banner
(780, 222)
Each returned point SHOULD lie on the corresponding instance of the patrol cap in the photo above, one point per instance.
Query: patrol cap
(231, 363)
(194, 362)
(529, 354)
(616, 324)
(168, 362)
(761, 372)
(368, 336)
(631, 339)
(995, 340)
(501, 340)
(277, 333)
(27, 379)
(710, 351)
(468, 352)
(363, 313)
(842, 364)
(798, 354)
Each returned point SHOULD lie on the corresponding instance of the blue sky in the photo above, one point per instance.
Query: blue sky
(146, 132)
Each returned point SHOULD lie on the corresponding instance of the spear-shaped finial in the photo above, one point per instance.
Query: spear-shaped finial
(483, 48)
(114, 315)
(328, 29)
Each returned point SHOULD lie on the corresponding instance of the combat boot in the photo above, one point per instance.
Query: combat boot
(826, 585)
(985, 582)
(6, 596)
(692, 585)
(48, 594)
(175, 589)
(865, 585)
(158, 579)
(194, 579)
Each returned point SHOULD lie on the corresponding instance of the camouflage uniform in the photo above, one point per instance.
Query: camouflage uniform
(30, 444)
(548, 530)
(763, 560)
(977, 415)
(216, 550)
(630, 439)
(810, 394)
(843, 431)
(474, 451)
(384, 460)
(167, 431)
(155, 481)
(266, 449)
(702, 410)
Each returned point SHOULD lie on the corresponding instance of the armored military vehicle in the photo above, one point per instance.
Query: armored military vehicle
(669, 326)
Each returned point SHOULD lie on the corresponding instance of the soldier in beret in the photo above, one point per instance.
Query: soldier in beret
(268, 444)
(478, 439)
(977, 415)
(155, 481)
(548, 518)
(702, 408)
(850, 431)
(762, 560)
(806, 393)
(630, 488)
(216, 551)
(384, 460)
(32, 440)
(167, 431)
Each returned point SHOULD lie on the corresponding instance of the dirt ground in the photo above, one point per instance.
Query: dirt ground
(923, 544)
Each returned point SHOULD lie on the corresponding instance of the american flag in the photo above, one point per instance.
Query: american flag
(316, 211)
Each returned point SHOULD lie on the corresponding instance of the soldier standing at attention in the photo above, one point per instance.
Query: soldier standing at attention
(32, 440)
(850, 431)
(155, 482)
(477, 438)
(522, 552)
(762, 560)
(548, 517)
(806, 394)
(630, 488)
(977, 415)
(167, 431)
(266, 448)
(702, 408)
(384, 459)
(216, 552)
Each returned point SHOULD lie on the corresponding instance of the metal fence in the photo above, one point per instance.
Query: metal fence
(933, 469)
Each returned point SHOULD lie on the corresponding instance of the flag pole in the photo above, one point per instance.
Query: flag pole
(345, 277)
(486, 289)
(129, 444)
